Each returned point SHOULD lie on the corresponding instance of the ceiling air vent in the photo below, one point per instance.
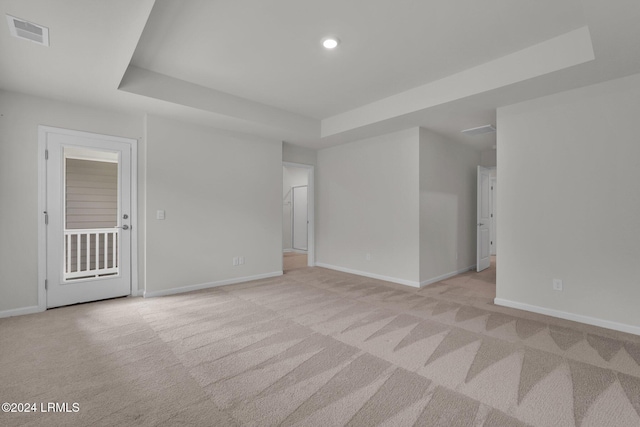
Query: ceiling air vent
(28, 30)
(479, 130)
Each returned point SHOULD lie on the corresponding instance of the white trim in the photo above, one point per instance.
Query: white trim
(201, 286)
(91, 155)
(83, 134)
(405, 282)
(21, 311)
(143, 194)
(42, 205)
(297, 251)
(493, 180)
(311, 209)
(42, 229)
(446, 276)
(622, 327)
(135, 290)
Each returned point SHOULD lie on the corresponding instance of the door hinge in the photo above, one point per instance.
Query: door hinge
(492, 187)
(491, 215)
(492, 242)
(46, 154)
(46, 284)
(46, 218)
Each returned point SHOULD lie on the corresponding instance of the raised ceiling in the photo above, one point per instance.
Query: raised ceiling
(258, 67)
(270, 51)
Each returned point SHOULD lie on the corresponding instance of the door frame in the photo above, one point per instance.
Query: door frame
(494, 186)
(42, 204)
(311, 236)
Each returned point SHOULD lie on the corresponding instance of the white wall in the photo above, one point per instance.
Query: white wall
(19, 216)
(245, 166)
(488, 158)
(295, 154)
(447, 206)
(291, 177)
(222, 196)
(569, 203)
(368, 203)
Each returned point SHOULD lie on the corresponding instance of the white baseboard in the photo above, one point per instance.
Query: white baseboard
(182, 289)
(297, 251)
(446, 276)
(20, 311)
(622, 327)
(371, 275)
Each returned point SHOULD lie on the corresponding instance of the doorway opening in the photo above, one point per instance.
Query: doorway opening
(297, 216)
(487, 243)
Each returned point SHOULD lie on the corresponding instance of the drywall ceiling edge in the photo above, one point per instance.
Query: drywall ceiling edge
(558, 53)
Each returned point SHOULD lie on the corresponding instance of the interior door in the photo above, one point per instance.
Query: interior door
(483, 250)
(88, 208)
(300, 217)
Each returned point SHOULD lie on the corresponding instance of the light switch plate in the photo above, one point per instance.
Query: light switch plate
(160, 214)
(557, 284)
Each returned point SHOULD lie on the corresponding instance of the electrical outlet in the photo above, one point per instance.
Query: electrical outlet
(368, 257)
(236, 261)
(241, 260)
(557, 284)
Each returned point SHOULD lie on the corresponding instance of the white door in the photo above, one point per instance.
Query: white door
(300, 217)
(88, 210)
(483, 250)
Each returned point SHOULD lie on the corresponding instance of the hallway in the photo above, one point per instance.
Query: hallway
(293, 260)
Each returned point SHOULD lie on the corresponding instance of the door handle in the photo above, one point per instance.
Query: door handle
(124, 227)
(480, 223)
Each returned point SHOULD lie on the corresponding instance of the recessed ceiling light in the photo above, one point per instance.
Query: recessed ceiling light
(330, 42)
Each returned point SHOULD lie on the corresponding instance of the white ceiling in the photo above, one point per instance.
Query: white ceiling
(258, 67)
(270, 51)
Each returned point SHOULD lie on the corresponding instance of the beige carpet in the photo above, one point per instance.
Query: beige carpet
(293, 260)
(318, 348)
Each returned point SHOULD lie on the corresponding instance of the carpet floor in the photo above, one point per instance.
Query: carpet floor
(317, 347)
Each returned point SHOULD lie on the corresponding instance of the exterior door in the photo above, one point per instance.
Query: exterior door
(88, 217)
(483, 250)
(300, 217)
